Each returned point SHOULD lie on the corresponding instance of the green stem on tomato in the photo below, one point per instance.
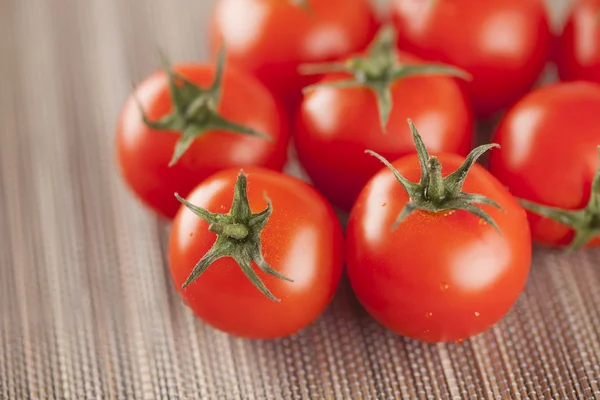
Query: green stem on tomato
(435, 188)
(234, 231)
(435, 193)
(585, 222)
(194, 109)
(378, 70)
(238, 236)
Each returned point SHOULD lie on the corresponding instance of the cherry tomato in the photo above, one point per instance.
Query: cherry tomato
(504, 44)
(302, 240)
(144, 153)
(335, 126)
(578, 50)
(271, 38)
(437, 276)
(549, 153)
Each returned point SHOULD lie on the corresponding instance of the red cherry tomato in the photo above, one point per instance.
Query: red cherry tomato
(271, 38)
(302, 240)
(437, 276)
(504, 44)
(578, 50)
(549, 153)
(144, 153)
(336, 125)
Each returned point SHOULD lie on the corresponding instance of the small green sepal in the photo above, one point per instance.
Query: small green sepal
(585, 222)
(435, 193)
(238, 236)
(378, 70)
(194, 109)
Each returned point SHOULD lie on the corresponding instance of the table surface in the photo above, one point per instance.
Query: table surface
(87, 308)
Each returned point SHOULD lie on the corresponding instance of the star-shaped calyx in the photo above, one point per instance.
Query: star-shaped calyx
(584, 222)
(435, 193)
(194, 109)
(238, 236)
(377, 70)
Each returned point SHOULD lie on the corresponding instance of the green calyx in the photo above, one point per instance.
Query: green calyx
(194, 110)
(435, 193)
(585, 222)
(238, 236)
(378, 70)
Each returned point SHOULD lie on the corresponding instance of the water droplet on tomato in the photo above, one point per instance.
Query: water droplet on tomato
(444, 286)
(384, 204)
(477, 314)
(449, 213)
(428, 314)
(482, 221)
(459, 341)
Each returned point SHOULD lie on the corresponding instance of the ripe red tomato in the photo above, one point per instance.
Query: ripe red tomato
(549, 153)
(144, 153)
(335, 126)
(271, 38)
(439, 275)
(504, 44)
(302, 240)
(578, 50)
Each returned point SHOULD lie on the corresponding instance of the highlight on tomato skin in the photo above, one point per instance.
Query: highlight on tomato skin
(503, 44)
(437, 276)
(549, 160)
(163, 147)
(270, 39)
(301, 241)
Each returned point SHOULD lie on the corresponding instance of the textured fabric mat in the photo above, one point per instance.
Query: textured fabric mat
(87, 308)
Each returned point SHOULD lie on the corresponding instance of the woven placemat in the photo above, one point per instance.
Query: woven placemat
(87, 308)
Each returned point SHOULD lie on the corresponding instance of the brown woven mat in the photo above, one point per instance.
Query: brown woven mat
(87, 309)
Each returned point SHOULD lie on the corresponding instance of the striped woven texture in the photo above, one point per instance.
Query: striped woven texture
(87, 307)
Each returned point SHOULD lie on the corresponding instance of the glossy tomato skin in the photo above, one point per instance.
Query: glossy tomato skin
(549, 152)
(504, 44)
(437, 277)
(143, 154)
(578, 49)
(272, 38)
(302, 240)
(335, 126)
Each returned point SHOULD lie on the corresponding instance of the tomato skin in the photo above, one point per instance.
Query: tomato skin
(504, 44)
(143, 154)
(335, 126)
(578, 48)
(303, 240)
(437, 277)
(549, 152)
(272, 38)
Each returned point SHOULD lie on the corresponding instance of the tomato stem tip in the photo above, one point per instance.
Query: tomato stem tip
(302, 4)
(234, 231)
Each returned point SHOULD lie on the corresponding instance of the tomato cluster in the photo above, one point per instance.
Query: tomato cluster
(436, 248)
